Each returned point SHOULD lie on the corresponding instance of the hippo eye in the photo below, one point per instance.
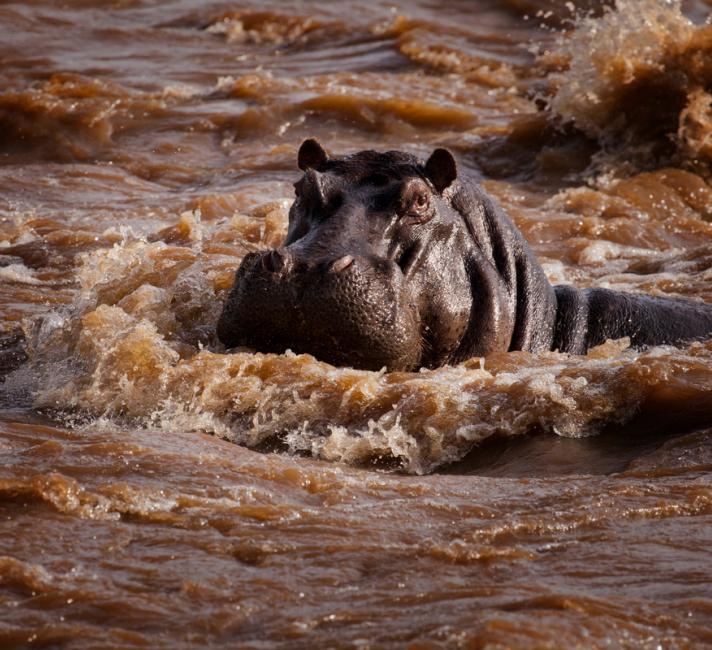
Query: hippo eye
(419, 209)
(416, 206)
(421, 201)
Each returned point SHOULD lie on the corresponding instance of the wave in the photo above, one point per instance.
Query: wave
(72, 117)
(640, 74)
(138, 347)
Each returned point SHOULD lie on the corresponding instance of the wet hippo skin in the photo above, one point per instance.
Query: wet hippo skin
(389, 261)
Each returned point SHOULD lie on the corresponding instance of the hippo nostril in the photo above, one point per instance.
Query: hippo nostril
(341, 264)
(274, 261)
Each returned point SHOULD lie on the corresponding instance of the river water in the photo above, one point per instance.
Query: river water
(156, 492)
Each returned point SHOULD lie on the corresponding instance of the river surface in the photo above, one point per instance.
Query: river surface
(156, 492)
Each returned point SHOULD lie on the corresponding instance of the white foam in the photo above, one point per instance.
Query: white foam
(20, 274)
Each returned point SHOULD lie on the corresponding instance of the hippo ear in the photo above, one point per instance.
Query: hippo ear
(441, 169)
(311, 155)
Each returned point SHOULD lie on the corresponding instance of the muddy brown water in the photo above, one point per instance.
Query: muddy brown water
(156, 492)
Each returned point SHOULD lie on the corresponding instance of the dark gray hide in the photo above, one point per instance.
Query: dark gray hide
(393, 262)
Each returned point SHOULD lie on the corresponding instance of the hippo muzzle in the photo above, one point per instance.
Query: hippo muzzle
(353, 310)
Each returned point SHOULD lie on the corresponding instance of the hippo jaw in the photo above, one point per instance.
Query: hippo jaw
(353, 311)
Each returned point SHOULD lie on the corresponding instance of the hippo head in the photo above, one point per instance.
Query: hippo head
(375, 270)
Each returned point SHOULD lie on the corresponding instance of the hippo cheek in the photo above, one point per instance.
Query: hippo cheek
(357, 315)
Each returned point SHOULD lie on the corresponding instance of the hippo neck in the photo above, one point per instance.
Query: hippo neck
(519, 311)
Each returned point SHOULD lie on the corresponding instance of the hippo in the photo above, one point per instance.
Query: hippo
(393, 262)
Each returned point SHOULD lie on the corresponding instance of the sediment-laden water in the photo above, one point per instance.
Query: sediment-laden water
(514, 501)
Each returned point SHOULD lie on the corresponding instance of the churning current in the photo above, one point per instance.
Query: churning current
(157, 492)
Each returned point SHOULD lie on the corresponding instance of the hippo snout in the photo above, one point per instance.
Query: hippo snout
(345, 309)
(283, 261)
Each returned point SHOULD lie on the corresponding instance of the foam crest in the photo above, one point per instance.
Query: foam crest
(638, 73)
